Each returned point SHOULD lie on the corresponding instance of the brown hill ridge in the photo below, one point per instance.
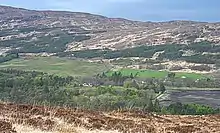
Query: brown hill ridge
(30, 119)
(113, 33)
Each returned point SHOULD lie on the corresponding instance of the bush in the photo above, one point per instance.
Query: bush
(189, 109)
(131, 84)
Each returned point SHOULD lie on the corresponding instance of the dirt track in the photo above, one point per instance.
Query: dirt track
(48, 119)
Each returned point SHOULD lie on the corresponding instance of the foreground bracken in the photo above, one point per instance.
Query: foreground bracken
(30, 119)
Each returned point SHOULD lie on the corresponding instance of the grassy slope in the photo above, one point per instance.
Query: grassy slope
(156, 74)
(59, 66)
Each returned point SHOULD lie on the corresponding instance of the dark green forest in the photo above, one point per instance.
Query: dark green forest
(41, 88)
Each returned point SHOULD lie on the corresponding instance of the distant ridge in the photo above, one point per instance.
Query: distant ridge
(102, 32)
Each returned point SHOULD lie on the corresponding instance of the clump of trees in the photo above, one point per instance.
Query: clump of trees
(131, 81)
(30, 87)
(201, 68)
(8, 57)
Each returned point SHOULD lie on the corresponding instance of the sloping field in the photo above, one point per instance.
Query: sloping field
(30, 119)
(55, 65)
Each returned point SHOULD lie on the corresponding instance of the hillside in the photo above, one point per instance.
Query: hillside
(39, 119)
(30, 31)
(74, 72)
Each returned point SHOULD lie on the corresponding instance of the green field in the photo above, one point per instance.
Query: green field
(68, 67)
(55, 65)
(156, 74)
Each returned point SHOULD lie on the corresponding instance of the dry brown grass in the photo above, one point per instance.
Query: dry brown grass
(39, 119)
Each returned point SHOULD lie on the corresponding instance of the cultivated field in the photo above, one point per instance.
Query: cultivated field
(55, 65)
(39, 119)
(206, 97)
(156, 74)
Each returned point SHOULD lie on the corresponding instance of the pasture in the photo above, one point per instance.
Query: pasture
(55, 65)
(155, 73)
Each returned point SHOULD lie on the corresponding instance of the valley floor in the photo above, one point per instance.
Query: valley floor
(39, 119)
